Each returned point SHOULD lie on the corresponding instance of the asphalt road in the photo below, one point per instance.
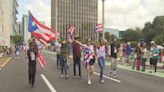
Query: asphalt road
(13, 78)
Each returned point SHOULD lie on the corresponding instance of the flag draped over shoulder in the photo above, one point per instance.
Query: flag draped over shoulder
(41, 31)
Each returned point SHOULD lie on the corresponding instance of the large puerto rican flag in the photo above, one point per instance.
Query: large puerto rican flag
(41, 31)
(98, 28)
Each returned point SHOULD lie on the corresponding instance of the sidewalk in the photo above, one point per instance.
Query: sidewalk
(160, 70)
(159, 73)
(3, 61)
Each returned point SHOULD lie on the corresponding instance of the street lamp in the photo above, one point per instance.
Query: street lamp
(101, 35)
(103, 18)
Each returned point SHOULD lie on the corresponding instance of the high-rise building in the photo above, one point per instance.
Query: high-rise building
(9, 8)
(2, 39)
(20, 28)
(26, 35)
(83, 14)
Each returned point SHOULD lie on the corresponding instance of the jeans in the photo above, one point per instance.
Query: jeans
(143, 64)
(127, 58)
(58, 60)
(63, 66)
(101, 63)
(77, 62)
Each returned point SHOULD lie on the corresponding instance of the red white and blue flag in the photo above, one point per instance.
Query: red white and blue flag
(98, 28)
(40, 31)
(41, 60)
(71, 32)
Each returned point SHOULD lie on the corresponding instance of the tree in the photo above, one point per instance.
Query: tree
(154, 31)
(131, 35)
(17, 39)
(159, 39)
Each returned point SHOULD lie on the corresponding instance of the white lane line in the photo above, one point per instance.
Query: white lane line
(53, 58)
(108, 77)
(48, 83)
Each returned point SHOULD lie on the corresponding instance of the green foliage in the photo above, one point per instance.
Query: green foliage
(159, 39)
(17, 39)
(131, 35)
(151, 31)
(154, 31)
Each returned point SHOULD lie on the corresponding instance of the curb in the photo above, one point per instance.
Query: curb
(1, 66)
(161, 75)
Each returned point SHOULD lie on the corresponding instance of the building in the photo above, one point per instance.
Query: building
(2, 39)
(116, 32)
(83, 14)
(20, 32)
(26, 35)
(9, 28)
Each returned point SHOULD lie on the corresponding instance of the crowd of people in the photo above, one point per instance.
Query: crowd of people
(89, 53)
(100, 52)
(141, 55)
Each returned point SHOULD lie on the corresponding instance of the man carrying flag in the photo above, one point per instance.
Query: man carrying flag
(32, 54)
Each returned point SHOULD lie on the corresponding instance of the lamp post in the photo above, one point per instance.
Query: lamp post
(101, 35)
(103, 18)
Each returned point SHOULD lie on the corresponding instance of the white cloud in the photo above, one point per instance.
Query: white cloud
(123, 14)
(40, 9)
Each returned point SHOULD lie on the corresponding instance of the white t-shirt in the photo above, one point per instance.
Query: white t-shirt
(32, 54)
(144, 53)
(101, 51)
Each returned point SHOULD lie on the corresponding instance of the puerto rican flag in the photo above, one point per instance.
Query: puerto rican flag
(41, 60)
(71, 33)
(98, 28)
(41, 31)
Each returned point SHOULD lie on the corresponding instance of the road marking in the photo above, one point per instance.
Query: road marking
(53, 58)
(5, 62)
(48, 83)
(108, 77)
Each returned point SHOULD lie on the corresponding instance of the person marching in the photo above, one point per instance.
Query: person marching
(144, 56)
(57, 48)
(89, 59)
(155, 57)
(101, 60)
(32, 54)
(76, 56)
(63, 59)
(113, 65)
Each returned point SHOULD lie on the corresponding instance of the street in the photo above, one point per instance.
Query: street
(14, 78)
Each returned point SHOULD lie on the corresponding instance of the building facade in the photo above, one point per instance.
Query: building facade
(9, 28)
(83, 14)
(2, 39)
(26, 35)
(19, 28)
(116, 32)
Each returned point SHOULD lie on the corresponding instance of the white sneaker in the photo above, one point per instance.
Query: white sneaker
(102, 81)
(61, 76)
(89, 82)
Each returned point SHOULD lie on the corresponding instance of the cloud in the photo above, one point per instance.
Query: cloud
(123, 14)
(40, 9)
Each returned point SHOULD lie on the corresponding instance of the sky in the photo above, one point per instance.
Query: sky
(119, 14)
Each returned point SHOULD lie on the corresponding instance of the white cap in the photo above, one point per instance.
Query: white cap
(152, 42)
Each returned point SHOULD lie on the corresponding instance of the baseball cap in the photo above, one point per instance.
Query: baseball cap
(152, 42)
